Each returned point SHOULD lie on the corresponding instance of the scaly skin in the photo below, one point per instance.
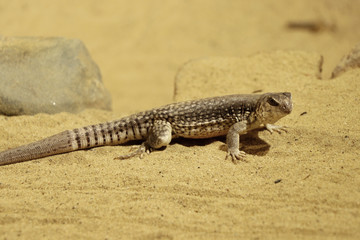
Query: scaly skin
(230, 115)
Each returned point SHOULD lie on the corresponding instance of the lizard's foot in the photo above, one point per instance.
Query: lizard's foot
(236, 155)
(271, 128)
(144, 148)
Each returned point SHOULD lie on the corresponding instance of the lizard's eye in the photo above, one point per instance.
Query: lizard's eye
(273, 102)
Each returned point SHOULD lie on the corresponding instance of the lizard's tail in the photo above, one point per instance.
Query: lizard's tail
(59, 143)
(110, 133)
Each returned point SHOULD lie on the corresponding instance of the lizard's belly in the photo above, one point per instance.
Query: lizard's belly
(201, 131)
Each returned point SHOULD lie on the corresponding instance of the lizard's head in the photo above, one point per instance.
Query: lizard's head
(273, 106)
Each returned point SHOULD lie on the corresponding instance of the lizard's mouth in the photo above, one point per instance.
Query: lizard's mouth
(287, 105)
(288, 108)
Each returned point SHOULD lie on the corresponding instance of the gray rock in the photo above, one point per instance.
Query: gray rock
(350, 61)
(48, 75)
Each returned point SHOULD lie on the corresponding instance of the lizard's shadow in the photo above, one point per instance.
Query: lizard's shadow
(250, 143)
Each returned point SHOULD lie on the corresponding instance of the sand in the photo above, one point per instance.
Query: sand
(303, 184)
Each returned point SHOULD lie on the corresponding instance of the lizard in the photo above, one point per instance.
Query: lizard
(230, 115)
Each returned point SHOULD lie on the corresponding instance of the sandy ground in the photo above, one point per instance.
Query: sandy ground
(188, 190)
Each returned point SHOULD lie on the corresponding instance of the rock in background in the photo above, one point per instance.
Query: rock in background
(348, 62)
(48, 75)
(215, 76)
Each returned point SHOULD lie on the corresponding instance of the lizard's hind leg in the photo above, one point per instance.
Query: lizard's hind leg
(143, 148)
(159, 136)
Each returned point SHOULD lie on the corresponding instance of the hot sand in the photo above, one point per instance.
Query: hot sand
(188, 190)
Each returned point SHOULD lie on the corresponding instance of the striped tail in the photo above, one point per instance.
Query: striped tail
(110, 133)
(59, 143)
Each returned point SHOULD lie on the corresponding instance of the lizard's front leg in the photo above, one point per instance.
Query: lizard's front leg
(159, 136)
(271, 128)
(233, 141)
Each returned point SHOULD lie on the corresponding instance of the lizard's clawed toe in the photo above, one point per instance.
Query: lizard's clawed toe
(236, 155)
